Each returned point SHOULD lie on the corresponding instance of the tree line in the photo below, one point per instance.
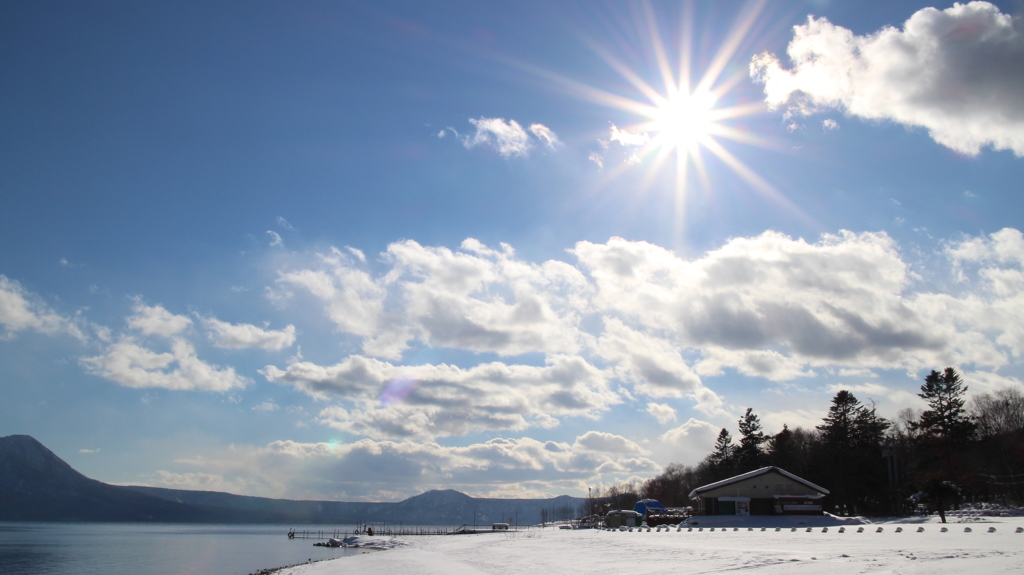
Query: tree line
(951, 452)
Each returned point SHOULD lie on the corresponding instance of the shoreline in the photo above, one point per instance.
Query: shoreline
(990, 545)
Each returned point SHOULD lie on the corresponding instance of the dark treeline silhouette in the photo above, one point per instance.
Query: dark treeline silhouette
(952, 452)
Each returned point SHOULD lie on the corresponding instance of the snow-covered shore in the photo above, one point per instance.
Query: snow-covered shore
(746, 547)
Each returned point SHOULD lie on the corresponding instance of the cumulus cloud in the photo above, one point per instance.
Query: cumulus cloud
(639, 319)
(995, 263)
(475, 298)
(508, 137)
(245, 335)
(129, 359)
(651, 363)
(608, 443)
(444, 400)
(774, 306)
(21, 310)
(661, 413)
(690, 442)
(958, 72)
(155, 320)
(131, 364)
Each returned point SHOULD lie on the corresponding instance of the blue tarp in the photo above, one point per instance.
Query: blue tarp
(643, 505)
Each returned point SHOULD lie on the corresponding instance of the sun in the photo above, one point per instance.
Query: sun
(683, 122)
(686, 119)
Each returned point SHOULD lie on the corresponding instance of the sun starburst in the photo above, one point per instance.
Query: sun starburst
(681, 123)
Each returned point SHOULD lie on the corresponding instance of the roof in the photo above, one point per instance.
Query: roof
(755, 473)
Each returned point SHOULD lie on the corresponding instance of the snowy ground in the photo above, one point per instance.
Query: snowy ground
(725, 549)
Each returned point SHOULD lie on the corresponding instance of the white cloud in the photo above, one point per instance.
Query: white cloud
(21, 310)
(545, 135)
(773, 306)
(275, 238)
(284, 224)
(629, 139)
(661, 412)
(476, 298)
(357, 252)
(245, 335)
(829, 125)
(690, 442)
(604, 442)
(958, 72)
(652, 363)
(131, 364)
(639, 319)
(597, 159)
(155, 320)
(388, 401)
(508, 138)
(129, 359)
(266, 406)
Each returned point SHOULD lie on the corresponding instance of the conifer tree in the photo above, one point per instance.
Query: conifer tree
(749, 454)
(721, 459)
(945, 417)
(851, 443)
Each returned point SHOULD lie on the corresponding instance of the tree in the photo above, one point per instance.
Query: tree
(791, 449)
(943, 447)
(839, 427)
(1001, 413)
(749, 454)
(999, 452)
(722, 458)
(946, 418)
(851, 449)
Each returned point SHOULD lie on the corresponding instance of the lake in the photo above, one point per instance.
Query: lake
(154, 548)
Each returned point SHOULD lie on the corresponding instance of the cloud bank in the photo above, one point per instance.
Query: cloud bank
(630, 321)
(958, 73)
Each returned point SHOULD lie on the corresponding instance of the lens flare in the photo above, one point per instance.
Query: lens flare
(397, 390)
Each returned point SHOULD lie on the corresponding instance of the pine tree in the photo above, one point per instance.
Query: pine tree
(946, 417)
(851, 445)
(722, 457)
(749, 453)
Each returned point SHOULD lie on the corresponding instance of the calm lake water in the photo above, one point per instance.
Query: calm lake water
(153, 549)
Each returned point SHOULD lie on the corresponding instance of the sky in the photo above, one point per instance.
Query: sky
(359, 250)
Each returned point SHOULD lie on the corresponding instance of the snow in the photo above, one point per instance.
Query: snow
(793, 549)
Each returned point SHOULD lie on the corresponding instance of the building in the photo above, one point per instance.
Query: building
(623, 518)
(765, 491)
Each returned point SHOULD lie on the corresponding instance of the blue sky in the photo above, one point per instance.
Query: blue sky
(360, 250)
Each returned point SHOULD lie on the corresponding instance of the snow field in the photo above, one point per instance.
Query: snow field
(898, 548)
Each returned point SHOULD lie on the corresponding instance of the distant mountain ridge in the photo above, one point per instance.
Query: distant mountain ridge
(36, 485)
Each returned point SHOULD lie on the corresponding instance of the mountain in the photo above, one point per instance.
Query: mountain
(439, 507)
(36, 485)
